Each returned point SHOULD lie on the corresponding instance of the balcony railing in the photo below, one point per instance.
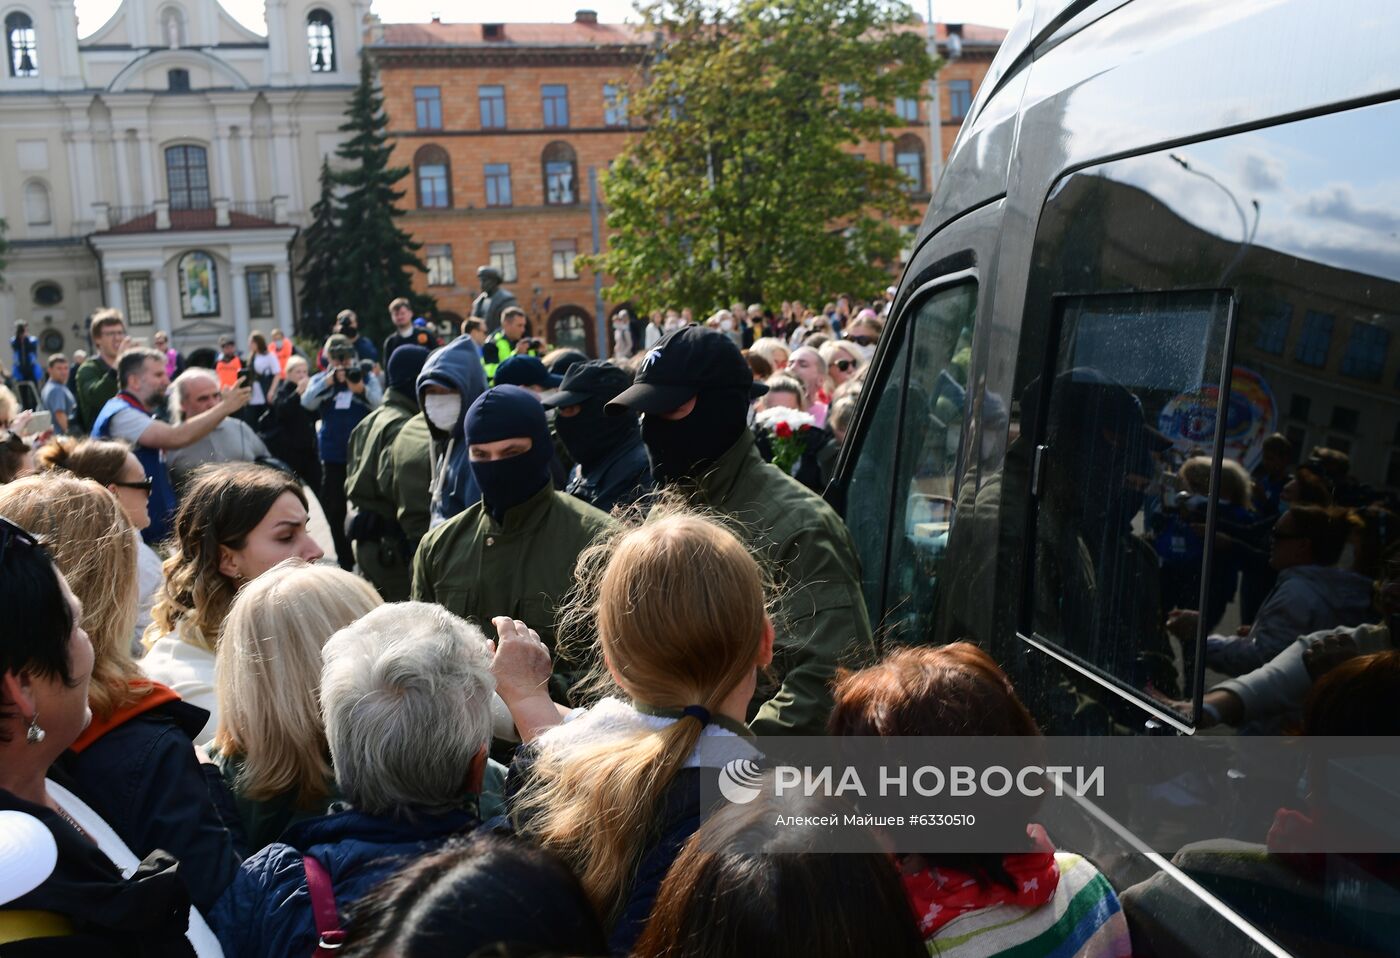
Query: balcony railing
(160, 215)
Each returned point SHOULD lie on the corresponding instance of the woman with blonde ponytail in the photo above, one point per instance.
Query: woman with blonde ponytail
(615, 789)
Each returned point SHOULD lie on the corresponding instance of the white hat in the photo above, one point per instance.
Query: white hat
(28, 854)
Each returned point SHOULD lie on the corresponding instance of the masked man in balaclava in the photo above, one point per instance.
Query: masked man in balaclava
(611, 461)
(418, 470)
(381, 547)
(513, 553)
(693, 390)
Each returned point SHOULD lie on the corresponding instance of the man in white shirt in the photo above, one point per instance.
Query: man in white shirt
(196, 391)
(127, 415)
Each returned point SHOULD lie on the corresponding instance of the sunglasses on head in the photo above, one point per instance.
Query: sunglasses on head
(845, 365)
(9, 532)
(145, 485)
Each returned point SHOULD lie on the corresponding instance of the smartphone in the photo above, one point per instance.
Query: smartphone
(40, 422)
(245, 378)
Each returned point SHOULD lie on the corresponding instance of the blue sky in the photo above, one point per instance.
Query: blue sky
(93, 13)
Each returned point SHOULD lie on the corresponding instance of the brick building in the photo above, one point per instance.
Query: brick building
(506, 125)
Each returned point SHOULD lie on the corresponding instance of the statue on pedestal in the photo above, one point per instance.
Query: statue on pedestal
(493, 298)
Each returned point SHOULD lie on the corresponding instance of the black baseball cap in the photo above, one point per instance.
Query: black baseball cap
(525, 371)
(596, 378)
(683, 363)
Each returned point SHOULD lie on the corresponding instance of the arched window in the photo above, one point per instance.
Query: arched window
(320, 41)
(22, 45)
(187, 177)
(432, 171)
(37, 211)
(560, 174)
(199, 284)
(909, 159)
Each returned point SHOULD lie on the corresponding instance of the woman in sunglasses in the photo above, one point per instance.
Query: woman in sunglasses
(115, 466)
(842, 360)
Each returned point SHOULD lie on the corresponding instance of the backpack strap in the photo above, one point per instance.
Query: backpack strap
(323, 911)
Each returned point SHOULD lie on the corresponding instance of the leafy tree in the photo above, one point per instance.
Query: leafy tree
(747, 182)
(318, 264)
(374, 256)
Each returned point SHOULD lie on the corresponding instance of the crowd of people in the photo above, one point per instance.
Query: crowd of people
(564, 591)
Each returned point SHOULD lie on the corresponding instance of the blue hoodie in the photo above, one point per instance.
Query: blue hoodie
(456, 366)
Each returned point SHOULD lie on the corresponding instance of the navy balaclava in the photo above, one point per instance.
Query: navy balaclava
(404, 366)
(507, 412)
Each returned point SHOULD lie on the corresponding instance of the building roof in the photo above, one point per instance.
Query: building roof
(579, 33)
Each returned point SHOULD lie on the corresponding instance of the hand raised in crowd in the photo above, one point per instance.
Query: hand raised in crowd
(522, 347)
(234, 398)
(521, 663)
(1183, 623)
(1325, 653)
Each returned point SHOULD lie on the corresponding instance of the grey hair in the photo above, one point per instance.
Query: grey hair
(406, 696)
(175, 399)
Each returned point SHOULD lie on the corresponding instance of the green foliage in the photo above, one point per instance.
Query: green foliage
(318, 265)
(368, 257)
(745, 183)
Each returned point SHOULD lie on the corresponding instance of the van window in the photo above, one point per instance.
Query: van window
(1109, 492)
(901, 499)
(1295, 225)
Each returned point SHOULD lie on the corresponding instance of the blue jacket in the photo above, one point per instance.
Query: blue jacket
(456, 366)
(337, 423)
(142, 776)
(620, 479)
(27, 367)
(267, 909)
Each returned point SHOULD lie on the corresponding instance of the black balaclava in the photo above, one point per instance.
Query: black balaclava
(506, 412)
(403, 369)
(591, 435)
(684, 448)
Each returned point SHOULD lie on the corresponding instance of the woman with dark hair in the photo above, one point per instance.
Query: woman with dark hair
(267, 373)
(743, 887)
(134, 762)
(46, 664)
(980, 904)
(471, 895)
(236, 522)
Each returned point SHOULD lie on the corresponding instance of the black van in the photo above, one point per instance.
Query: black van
(1154, 304)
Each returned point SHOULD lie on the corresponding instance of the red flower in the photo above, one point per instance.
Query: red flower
(806, 427)
(783, 430)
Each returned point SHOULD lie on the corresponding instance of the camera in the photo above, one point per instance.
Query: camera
(346, 327)
(354, 374)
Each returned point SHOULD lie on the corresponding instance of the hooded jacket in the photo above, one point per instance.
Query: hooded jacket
(623, 477)
(138, 770)
(456, 366)
(143, 915)
(1305, 599)
(267, 909)
(370, 442)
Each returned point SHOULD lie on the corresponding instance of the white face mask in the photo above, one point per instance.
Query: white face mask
(443, 410)
(867, 353)
(727, 325)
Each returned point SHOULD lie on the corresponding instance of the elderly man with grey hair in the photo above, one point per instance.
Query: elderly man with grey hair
(406, 696)
(232, 440)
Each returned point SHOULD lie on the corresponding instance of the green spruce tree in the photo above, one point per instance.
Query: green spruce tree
(374, 256)
(319, 262)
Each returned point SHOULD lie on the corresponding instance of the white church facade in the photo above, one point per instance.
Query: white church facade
(165, 163)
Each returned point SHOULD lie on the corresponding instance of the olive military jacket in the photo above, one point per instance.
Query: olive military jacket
(406, 477)
(820, 622)
(477, 568)
(370, 443)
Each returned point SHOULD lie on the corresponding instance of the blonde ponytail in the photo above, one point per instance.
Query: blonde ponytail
(680, 618)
